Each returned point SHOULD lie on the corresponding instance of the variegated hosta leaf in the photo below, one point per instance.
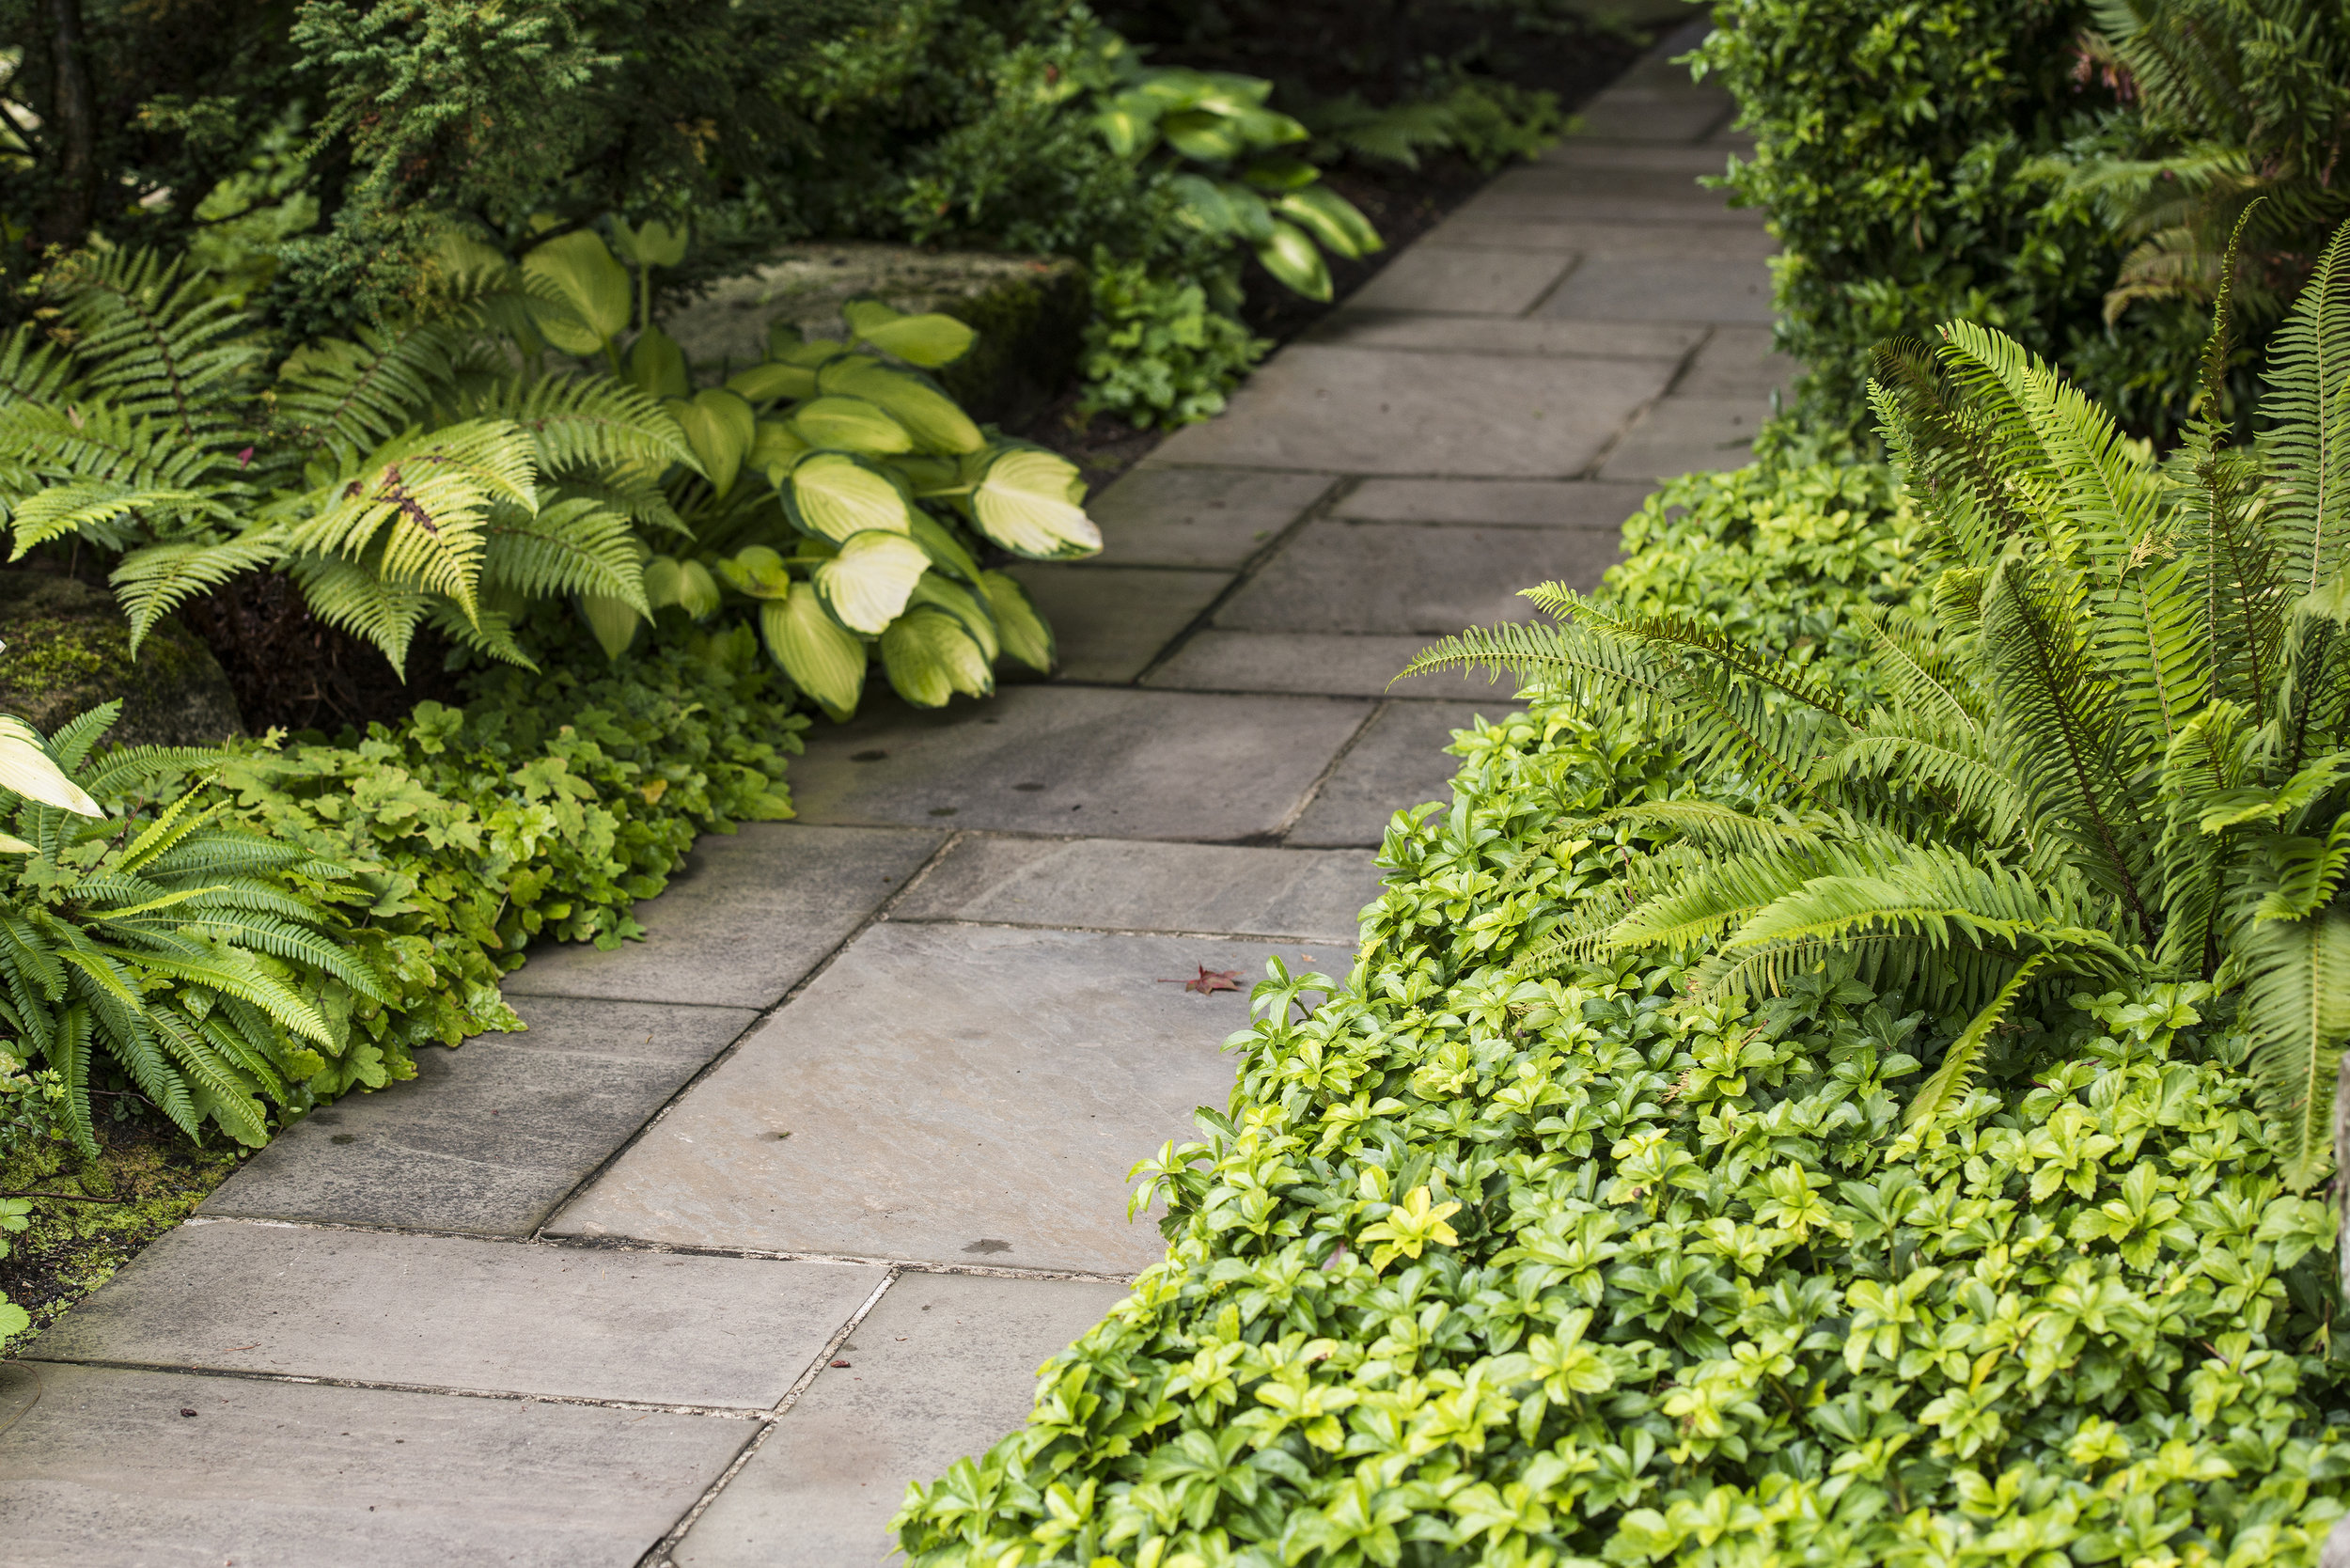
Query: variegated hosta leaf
(964, 606)
(1027, 501)
(688, 584)
(927, 340)
(26, 768)
(1021, 630)
(933, 419)
(865, 587)
(613, 621)
(775, 450)
(945, 551)
(579, 294)
(824, 660)
(832, 495)
(721, 427)
(852, 424)
(930, 656)
(774, 380)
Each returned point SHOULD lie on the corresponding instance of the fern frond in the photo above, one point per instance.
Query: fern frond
(588, 425)
(574, 546)
(156, 343)
(2297, 1006)
(339, 400)
(152, 582)
(362, 604)
(2308, 445)
(228, 1097)
(1949, 1082)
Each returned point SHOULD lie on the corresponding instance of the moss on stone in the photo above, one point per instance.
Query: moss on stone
(68, 650)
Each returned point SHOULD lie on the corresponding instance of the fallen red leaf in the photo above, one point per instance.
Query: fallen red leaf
(1207, 981)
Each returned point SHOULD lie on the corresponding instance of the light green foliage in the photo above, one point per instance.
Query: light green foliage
(1488, 121)
(1568, 1271)
(15, 1320)
(1162, 350)
(197, 958)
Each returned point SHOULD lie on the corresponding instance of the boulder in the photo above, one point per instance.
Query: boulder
(68, 650)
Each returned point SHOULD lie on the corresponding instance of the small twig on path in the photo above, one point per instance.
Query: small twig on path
(65, 1197)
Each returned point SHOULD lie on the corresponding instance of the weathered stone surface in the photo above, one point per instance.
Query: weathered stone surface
(1408, 578)
(1110, 622)
(1737, 361)
(953, 1094)
(1610, 241)
(747, 918)
(1691, 160)
(1127, 764)
(1544, 503)
(443, 1311)
(1665, 289)
(99, 1468)
(488, 1137)
(1482, 282)
(1155, 515)
(1680, 434)
(944, 1365)
(1642, 115)
(1338, 663)
(68, 650)
(1552, 193)
(1506, 337)
(1138, 885)
(1399, 761)
(1366, 411)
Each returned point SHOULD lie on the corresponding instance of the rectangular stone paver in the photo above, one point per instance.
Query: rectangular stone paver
(1668, 115)
(1083, 759)
(1507, 337)
(1157, 515)
(953, 1094)
(1110, 622)
(1477, 283)
(1138, 884)
(1342, 664)
(1736, 361)
(744, 922)
(1549, 503)
(943, 1366)
(1399, 761)
(489, 1136)
(1378, 411)
(1680, 434)
(100, 1468)
(460, 1312)
(1665, 289)
(1610, 241)
(1412, 577)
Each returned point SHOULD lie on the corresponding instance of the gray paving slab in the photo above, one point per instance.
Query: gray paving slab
(1680, 434)
(1379, 411)
(1533, 192)
(488, 1137)
(1609, 242)
(1157, 515)
(953, 1094)
(1541, 503)
(1506, 337)
(1400, 762)
(943, 1366)
(1478, 283)
(1128, 764)
(1110, 622)
(1665, 289)
(1737, 361)
(1338, 663)
(1410, 577)
(1643, 114)
(104, 1468)
(745, 920)
(1692, 160)
(1140, 884)
(460, 1312)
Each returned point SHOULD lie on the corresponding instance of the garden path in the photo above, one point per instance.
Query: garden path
(782, 1207)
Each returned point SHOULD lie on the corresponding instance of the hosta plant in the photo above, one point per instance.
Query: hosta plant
(149, 933)
(2118, 750)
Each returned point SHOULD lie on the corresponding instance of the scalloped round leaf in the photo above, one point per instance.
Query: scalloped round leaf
(928, 657)
(657, 364)
(1292, 259)
(720, 427)
(865, 587)
(963, 605)
(1021, 630)
(1023, 503)
(851, 424)
(824, 661)
(27, 767)
(580, 293)
(773, 381)
(936, 421)
(613, 621)
(651, 244)
(945, 551)
(832, 495)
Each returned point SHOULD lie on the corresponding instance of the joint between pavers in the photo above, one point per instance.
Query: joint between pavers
(510, 1396)
(1322, 779)
(1326, 939)
(1340, 486)
(1574, 265)
(897, 1266)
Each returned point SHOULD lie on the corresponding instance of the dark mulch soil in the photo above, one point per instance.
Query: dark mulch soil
(293, 671)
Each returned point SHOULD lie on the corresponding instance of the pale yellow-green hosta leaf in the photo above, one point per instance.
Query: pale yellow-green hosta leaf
(866, 586)
(945, 551)
(933, 419)
(775, 450)
(1027, 502)
(824, 660)
(1291, 256)
(1018, 627)
(759, 571)
(832, 495)
(925, 341)
(27, 767)
(1332, 219)
(579, 294)
(657, 364)
(688, 584)
(928, 656)
(653, 243)
(612, 621)
(771, 380)
(854, 424)
(964, 606)
(721, 427)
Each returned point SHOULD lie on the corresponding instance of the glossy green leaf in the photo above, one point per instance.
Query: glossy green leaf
(774, 380)
(1280, 173)
(934, 420)
(652, 244)
(686, 584)
(928, 656)
(614, 622)
(851, 424)
(1332, 219)
(759, 571)
(929, 340)
(720, 427)
(579, 294)
(824, 661)
(1026, 501)
(657, 366)
(945, 551)
(865, 587)
(835, 495)
(1019, 629)
(1292, 257)
(964, 604)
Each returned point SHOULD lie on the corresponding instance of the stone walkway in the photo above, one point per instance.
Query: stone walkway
(781, 1207)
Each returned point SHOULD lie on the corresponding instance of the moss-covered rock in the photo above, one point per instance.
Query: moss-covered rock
(1030, 312)
(68, 650)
